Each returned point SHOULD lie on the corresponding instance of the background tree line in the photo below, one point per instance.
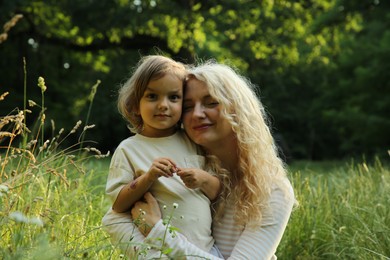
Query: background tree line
(321, 66)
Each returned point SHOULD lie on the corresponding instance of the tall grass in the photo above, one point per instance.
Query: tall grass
(51, 196)
(52, 200)
(344, 212)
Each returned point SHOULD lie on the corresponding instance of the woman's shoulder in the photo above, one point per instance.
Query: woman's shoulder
(283, 191)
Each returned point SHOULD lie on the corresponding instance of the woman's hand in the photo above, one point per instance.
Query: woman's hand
(146, 213)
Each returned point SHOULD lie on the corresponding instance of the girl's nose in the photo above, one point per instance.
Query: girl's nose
(163, 104)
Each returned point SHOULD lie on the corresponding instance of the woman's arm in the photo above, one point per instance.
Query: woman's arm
(179, 244)
(261, 243)
(125, 235)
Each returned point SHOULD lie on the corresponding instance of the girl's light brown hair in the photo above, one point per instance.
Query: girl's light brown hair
(151, 67)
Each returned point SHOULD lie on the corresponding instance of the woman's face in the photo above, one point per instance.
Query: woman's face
(202, 117)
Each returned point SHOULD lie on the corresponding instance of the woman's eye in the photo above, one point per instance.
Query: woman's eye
(212, 104)
(187, 108)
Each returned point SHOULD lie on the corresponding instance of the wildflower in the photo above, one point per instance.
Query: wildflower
(76, 127)
(165, 207)
(38, 199)
(2, 96)
(93, 90)
(3, 189)
(31, 103)
(342, 228)
(44, 146)
(88, 127)
(6, 134)
(175, 205)
(102, 155)
(11, 23)
(93, 149)
(8, 25)
(36, 221)
(41, 84)
(30, 144)
(18, 216)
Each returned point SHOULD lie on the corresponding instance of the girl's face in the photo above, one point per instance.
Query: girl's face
(161, 105)
(202, 117)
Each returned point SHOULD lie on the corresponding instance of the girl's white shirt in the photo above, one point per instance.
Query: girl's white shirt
(135, 156)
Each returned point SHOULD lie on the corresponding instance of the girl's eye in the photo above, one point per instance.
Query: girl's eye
(151, 96)
(174, 98)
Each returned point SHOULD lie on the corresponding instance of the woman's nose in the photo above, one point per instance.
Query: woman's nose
(199, 111)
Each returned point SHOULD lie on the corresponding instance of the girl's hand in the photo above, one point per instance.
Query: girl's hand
(161, 167)
(146, 213)
(192, 177)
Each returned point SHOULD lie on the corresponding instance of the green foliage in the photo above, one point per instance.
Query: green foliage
(321, 66)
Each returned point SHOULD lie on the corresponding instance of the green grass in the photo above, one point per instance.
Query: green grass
(70, 208)
(52, 201)
(343, 213)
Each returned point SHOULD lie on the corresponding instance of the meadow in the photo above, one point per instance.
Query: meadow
(52, 199)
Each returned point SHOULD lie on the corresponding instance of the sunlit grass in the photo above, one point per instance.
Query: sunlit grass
(343, 214)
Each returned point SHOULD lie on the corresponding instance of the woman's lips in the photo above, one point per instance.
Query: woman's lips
(201, 127)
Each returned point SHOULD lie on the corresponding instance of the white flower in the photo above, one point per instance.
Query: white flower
(36, 221)
(21, 218)
(18, 217)
(175, 205)
(3, 189)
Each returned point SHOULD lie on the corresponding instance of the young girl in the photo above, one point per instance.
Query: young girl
(159, 158)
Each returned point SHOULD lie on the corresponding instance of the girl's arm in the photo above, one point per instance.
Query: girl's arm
(133, 191)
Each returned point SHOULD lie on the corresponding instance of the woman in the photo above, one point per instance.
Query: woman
(222, 114)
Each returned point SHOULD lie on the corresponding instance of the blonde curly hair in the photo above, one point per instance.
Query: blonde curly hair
(149, 68)
(260, 167)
